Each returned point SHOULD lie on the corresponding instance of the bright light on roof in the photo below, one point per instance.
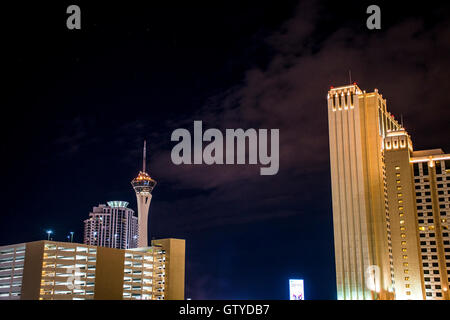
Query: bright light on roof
(117, 204)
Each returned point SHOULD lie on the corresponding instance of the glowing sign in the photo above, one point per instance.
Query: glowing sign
(296, 289)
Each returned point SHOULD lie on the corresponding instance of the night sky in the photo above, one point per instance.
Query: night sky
(77, 104)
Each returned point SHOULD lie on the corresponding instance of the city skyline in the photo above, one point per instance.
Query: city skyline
(81, 102)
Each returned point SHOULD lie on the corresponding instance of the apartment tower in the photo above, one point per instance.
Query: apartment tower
(113, 226)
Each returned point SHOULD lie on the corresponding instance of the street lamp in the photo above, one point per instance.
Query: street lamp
(49, 232)
(71, 236)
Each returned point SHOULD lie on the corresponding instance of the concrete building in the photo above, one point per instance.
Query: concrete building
(390, 203)
(113, 226)
(143, 185)
(44, 270)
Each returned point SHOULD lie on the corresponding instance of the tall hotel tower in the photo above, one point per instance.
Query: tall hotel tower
(143, 186)
(113, 226)
(358, 122)
(390, 203)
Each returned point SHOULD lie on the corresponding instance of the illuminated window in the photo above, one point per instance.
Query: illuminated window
(405, 264)
(430, 227)
(406, 271)
(405, 257)
(397, 168)
(403, 235)
(400, 208)
(406, 278)
(403, 243)
(407, 285)
(399, 195)
(404, 250)
(400, 201)
(399, 187)
(398, 175)
(402, 221)
(422, 228)
(398, 181)
(408, 293)
(402, 228)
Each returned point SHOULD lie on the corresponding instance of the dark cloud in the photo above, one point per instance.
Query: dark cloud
(404, 62)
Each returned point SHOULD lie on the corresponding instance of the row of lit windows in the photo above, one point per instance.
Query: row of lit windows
(403, 232)
(49, 248)
(16, 250)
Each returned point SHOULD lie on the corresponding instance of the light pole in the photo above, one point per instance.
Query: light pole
(49, 232)
(71, 236)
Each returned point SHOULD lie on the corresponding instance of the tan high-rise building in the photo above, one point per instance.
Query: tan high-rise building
(389, 211)
(358, 122)
(423, 189)
(408, 279)
(44, 270)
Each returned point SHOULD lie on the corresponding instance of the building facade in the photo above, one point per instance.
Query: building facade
(358, 122)
(113, 226)
(408, 274)
(432, 186)
(48, 270)
(12, 259)
(390, 203)
(431, 173)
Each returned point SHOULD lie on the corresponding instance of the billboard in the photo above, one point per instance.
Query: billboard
(296, 289)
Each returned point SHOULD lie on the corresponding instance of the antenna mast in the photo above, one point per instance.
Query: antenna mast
(144, 156)
(350, 75)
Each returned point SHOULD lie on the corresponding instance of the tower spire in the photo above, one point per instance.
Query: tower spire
(144, 156)
(143, 185)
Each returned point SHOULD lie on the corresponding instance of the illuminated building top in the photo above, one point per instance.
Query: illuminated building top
(118, 204)
(143, 183)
